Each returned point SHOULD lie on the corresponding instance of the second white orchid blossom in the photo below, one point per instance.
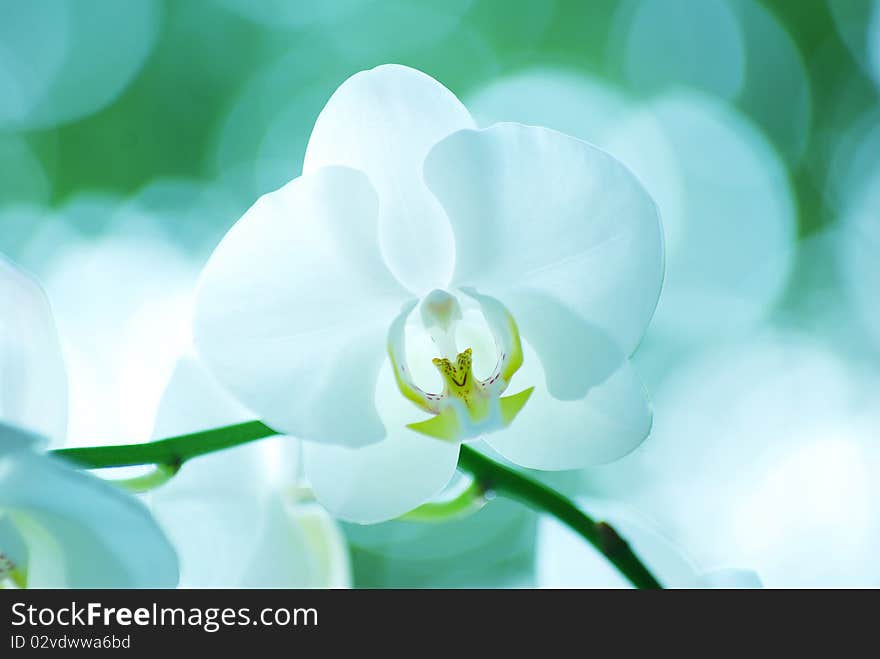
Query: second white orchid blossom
(62, 528)
(253, 530)
(425, 283)
(59, 527)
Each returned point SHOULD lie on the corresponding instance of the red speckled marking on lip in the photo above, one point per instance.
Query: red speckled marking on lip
(6, 564)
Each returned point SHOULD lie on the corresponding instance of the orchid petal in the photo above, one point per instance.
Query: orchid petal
(574, 354)
(505, 333)
(536, 210)
(293, 307)
(612, 420)
(383, 122)
(384, 480)
(402, 373)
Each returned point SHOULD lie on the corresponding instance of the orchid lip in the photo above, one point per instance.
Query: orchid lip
(467, 407)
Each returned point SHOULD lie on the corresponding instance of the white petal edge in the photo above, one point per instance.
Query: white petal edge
(382, 481)
(532, 208)
(293, 306)
(383, 122)
(80, 531)
(575, 355)
(33, 380)
(611, 421)
(385, 480)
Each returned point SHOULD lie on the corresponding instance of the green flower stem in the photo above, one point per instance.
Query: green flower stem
(173, 451)
(469, 501)
(507, 482)
(19, 579)
(488, 476)
(160, 474)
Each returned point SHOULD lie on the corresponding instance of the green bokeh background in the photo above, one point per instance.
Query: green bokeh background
(166, 121)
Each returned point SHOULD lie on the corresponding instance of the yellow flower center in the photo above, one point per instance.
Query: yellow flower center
(467, 407)
(457, 377)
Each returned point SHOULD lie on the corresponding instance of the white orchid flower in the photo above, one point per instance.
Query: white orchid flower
(272, 536)
(425, 283)
(58, 526)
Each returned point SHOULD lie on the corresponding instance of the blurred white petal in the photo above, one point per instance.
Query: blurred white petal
(299, 546)
(761, 455)
(33, 382)
(123, 307)
(80, 532)
(227, 513)
(730, 578)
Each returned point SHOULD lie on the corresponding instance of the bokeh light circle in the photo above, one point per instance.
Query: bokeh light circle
(860, 255)
(668, 43)
(738, 227)
(63, 60)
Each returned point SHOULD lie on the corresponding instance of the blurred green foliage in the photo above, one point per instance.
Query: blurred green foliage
(167, 121)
